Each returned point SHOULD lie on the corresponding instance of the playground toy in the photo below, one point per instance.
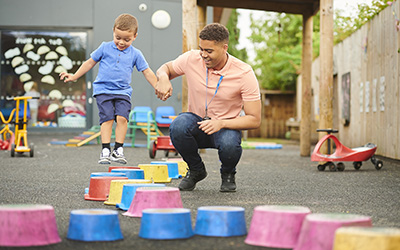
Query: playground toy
(20, 144)
(166, 224)
(129, 191)
(173, 169)
(5, 144)
(154, 197)
(276, 226)
(157, 173)
(162, 143)
(116, 186)
(23, 225)
(367, 238)
(342, 153)
(220, 221)
(318, 230)
(99, 187)
(94, 225)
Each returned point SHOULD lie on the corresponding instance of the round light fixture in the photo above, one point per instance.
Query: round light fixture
(143, 7)
(161, 19)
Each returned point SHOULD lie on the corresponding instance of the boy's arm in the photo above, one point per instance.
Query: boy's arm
(83, 69)
(150, 77)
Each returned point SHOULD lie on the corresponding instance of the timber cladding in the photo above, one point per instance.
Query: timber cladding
(371, 58)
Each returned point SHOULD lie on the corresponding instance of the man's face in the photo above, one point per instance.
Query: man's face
(123, 39)
(214, 54)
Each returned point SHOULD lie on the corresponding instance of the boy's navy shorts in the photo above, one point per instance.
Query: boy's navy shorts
(111, 105)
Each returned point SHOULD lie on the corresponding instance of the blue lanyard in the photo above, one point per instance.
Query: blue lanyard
(216, 90)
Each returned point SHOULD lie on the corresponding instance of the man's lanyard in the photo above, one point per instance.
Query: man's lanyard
(216, 90)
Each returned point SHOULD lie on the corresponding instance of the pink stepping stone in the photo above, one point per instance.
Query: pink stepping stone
(26, 225)
(154, 197)
(318, 230)
(276, 226)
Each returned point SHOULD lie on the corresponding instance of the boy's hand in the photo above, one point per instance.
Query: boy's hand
(163, 89)
(66, 77)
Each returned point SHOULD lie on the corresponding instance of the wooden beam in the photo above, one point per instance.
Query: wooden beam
(306, 67)
(326, 67)
(189, 36)
(292, 7)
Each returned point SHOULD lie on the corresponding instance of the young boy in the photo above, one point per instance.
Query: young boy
(112, 88)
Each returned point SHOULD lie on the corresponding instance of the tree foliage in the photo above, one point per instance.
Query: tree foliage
(344, 26)
(234, 34)
(277, 41)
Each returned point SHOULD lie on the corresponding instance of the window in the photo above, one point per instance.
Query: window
(30, 63)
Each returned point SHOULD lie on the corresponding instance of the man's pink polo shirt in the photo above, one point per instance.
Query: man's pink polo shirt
(239, 84)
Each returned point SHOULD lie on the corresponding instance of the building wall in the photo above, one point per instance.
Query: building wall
(96, 17)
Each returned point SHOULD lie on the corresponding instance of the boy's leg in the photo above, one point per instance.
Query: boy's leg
(122, 106)
(228, 143)
(187, 138)
(120, 132)
(106, 130)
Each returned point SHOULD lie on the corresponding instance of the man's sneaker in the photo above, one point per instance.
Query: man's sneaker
(228, 182)
(118, 156)
(188, 183)
(105, 156)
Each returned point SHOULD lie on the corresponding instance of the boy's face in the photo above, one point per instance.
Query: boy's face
(123, 39)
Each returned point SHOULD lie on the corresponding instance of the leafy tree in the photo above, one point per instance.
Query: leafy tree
(344, 26)
(234, 34)
(277, 39)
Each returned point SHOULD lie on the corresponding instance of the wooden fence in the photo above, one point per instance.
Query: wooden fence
(366, 105)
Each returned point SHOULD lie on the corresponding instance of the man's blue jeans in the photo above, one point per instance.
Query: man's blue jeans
(187, 138)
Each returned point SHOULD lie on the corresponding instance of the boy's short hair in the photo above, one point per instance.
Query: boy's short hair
(126, 22)
(215, 32)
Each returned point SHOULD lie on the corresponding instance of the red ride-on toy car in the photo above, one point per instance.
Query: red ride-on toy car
(343, 153)
(162, 143)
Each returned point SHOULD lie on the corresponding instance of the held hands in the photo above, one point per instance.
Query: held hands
(66, 77)
(163, 89)
(210, 126)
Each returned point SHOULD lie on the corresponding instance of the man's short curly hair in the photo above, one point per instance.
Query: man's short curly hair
(126, 22)
(215, 32)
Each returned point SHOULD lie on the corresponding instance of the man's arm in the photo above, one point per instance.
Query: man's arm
(164, 87)
(251, 120)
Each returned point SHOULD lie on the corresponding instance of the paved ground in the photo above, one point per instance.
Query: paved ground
(58, 175)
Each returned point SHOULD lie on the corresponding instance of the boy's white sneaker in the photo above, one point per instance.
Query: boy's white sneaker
(105, 156)
(118, 156)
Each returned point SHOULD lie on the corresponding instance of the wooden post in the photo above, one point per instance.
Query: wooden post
(326, 57)
(190, 26)
(307, 56)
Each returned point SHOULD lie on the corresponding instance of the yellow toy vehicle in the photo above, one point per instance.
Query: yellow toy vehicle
(21, 141)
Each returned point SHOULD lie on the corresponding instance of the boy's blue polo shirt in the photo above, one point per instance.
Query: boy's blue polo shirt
(115, 68)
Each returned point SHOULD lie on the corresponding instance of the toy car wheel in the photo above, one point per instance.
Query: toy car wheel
(321, 167)
(378, 165)
(32, 150)
(332, 167)
(152, 149)
(340, 166)
(357, 165)
(12, 150)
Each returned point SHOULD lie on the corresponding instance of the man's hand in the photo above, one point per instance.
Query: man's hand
(210, 126)
(163, 89)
